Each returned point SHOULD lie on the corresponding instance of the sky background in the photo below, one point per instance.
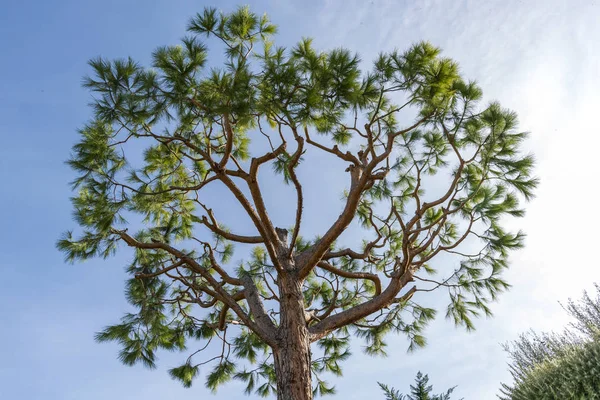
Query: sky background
(539, 58)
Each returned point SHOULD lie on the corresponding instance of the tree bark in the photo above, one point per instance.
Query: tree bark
(292, 354)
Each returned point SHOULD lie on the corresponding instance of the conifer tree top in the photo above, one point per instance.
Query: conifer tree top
(430, 172)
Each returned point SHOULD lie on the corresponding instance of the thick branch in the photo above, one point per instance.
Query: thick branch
(361, 177)
(348, 252)
(360, 311)
(268, 228)
(229, 141)
(257, 307)
(310, 257)
(299, 196)
(213, 225)
(232, 236)
(267, 232)
(366, 253)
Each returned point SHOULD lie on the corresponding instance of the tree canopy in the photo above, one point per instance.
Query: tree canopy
(566, 365)
(431, 174)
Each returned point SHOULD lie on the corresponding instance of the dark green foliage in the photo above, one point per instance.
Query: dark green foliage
(432, 172)
(420, 391)
(185, 373)
(390, 393)
(551, 366)
(575, 374)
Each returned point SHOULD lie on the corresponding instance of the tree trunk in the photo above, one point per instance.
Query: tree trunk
(292, 355)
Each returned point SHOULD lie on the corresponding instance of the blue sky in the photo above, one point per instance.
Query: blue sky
(540, 58)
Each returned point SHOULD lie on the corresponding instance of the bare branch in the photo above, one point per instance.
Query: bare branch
(267, 227)
(353, 275)
(213, 225)
(229, 141)
(347, 156)
(299, 196)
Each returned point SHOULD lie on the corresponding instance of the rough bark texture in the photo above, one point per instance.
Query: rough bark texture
(292, 354)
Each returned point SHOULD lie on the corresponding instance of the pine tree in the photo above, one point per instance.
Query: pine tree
(566, 365)
(420, 391)
(391, 393)
(430, 173)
